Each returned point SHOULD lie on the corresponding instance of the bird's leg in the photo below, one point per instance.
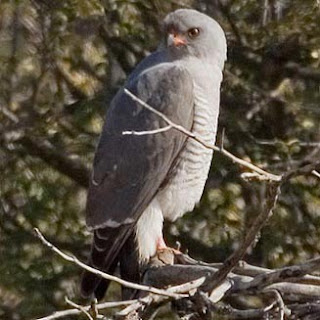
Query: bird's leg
(166, 255)
(161, 245)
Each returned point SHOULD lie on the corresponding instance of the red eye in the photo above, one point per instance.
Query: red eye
(193, 32)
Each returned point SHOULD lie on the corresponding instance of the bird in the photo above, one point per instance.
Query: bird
(138, 180)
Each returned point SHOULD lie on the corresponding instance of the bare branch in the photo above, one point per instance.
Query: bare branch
(141, 133)
(76, 311)
(297, 289)
(103, 275)
(316, 173)
(287, 273)
(10, 115)
(303, 72)
(44, 150)
(266, 175)
(307, 169)
(80, 308)
(226, 12)
(280, 304)
(152, 300)
(259, 222)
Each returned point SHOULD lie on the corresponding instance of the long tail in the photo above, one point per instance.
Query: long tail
(111, 245)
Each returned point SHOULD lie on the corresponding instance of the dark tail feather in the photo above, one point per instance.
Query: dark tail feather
(129, 270)
(129, 266)
(107, 243)
(103, 284)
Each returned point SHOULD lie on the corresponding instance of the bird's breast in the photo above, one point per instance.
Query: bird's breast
(187, 180)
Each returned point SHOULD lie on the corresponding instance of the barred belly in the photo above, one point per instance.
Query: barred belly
(184, 189)
(186, 183)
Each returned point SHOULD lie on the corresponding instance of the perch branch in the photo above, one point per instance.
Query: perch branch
(103, 275)
(291, 273)
(182, 278)
(151, 299)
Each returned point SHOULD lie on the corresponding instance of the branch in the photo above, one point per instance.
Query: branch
(103, 275)
(76, 311)
(44, 150)
(226, 12)
(260, 172)
(316, 173)
(80, 308)
(309, 168)
(10, 115)
(293, 68)
(191, 278)
(281, 291)
(288, 273)
(259, 222)
(151, 302)
(142, 133)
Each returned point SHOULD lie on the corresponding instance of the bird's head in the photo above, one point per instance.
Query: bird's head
(189, 32)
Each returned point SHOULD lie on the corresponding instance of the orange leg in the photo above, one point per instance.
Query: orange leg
(161, 246)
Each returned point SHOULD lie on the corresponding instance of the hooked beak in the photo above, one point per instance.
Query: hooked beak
(176, 40)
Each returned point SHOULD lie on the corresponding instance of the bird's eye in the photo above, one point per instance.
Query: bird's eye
(193, 32)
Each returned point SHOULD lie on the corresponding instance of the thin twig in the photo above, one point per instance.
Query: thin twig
(185, 287)
(10, 115)
(103, 275)
(280, 303)
(307, 169)
(141, 133)
(316, 173)
(261, 172)
(259, 222)
(94, 309)
(226, 11)
(287, 273)
(76, 311)
(80, 308)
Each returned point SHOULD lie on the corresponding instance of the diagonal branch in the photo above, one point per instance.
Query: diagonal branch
(291, 273)
(265, 175)
(80, 308)
(147, 305)
(259, 222)
(106, 276)
(44, 150)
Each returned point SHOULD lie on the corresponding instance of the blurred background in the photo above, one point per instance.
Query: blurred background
(60, 64)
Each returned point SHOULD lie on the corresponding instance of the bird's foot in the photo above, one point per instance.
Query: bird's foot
(166, 254)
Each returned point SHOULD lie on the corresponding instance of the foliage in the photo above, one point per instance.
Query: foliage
(61, 63)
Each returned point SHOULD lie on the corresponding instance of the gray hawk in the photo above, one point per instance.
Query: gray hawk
(140, 180)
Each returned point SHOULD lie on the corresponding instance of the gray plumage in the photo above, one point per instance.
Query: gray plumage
(138, 180)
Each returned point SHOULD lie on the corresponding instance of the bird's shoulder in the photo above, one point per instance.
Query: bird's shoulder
(166, 86)
(159, 64)
(129, 168)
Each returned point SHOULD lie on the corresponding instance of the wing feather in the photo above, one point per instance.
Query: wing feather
(129, 169)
